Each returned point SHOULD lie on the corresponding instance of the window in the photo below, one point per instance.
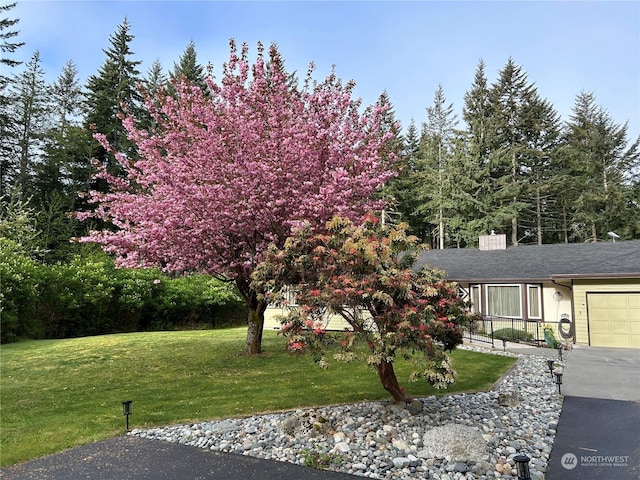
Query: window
(533, 298)
(504, 301)
(475, 298)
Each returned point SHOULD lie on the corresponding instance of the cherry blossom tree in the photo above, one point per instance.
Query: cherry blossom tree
(221, 175)
(364, 274)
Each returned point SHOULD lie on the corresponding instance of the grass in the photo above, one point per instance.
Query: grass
(57, 394)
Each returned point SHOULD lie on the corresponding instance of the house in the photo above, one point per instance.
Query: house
(596, 286)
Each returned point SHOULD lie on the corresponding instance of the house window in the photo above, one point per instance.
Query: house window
(474, 292)
(534, 299)
(504, 301)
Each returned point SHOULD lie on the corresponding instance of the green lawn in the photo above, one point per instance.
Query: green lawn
(56, 394)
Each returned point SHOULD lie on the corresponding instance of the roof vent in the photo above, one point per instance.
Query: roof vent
(493, 241)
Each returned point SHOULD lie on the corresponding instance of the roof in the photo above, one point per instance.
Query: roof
(537, 262)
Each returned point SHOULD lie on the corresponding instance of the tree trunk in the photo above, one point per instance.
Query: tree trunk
(390, 382)
(539, 216)
(254, 330)
(255, 321)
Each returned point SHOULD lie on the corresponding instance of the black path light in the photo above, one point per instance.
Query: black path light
(522, 466)
(551, 363)
(559, 381)
(560, 353)
(126, 410)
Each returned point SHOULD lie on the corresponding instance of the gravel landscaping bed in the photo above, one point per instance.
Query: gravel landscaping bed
(454, 437)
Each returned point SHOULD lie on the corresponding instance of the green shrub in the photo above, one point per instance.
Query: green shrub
(90, 296)
(512, 335)
(19, 280)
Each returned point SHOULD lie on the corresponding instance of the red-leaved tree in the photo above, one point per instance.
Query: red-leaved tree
(223, 174)
(364, 274)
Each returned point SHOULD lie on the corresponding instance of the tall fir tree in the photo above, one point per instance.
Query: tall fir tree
(64, 172)
(602, 163)
(29, 107)
(113, 89)
(511, 96)
(474, 152)
(155, 79)
(189, 68)
(435, 187)
(390, 154)
(8, 45)
(542, 143)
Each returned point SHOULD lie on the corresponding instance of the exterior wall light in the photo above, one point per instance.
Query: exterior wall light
(126, 410)
(559, 381)
(522, 466)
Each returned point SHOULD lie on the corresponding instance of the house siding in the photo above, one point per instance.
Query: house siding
(272, 320)
(583, 287)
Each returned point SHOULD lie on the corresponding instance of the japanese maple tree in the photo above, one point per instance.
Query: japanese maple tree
(363, 273)
(222, 174)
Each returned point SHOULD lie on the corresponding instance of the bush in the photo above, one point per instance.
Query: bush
(89, 296)
(512, 335)
(19, 280)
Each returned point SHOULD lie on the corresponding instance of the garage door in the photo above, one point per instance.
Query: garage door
(614, 319)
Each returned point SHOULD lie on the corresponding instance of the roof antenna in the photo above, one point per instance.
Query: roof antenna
(613, 235)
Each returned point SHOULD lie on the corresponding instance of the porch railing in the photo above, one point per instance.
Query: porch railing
(492, 329)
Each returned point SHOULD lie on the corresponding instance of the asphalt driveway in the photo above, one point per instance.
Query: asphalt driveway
(598, 433)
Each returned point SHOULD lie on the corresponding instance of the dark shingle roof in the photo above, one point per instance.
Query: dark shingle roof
(537, 262)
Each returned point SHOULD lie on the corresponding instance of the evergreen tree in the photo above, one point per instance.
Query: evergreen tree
(29, 107)
(63, 173)
(601, 163)
(155, 79)
(542, 146)
(153, 85)
(111, 90)
(473, 154)
(435, 188)
(390, 154)
(511, 96)
(189, 68)
(7, 46)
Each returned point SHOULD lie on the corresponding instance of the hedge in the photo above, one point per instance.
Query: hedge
(89, 296)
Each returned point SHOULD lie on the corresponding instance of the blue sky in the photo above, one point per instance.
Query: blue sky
(405, 48)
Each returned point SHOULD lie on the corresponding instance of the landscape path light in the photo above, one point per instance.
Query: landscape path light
(560, 353)
(522, 466)
(126, 410)
(559, 381)
(551, 363)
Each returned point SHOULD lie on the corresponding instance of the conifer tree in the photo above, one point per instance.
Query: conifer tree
(189, 68)
(435, 188)
(473, 152)
(602, 163)
(401, 189)
(538, 164)
(511, 95)
(390, 154)
(7, 46)
(64, 172)
(29, 108)
(155, 79)
(113, 89)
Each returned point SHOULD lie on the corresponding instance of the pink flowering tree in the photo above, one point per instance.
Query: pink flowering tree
(221, 175)
(364, 275)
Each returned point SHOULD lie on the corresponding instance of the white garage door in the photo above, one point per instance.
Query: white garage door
(614, 319)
